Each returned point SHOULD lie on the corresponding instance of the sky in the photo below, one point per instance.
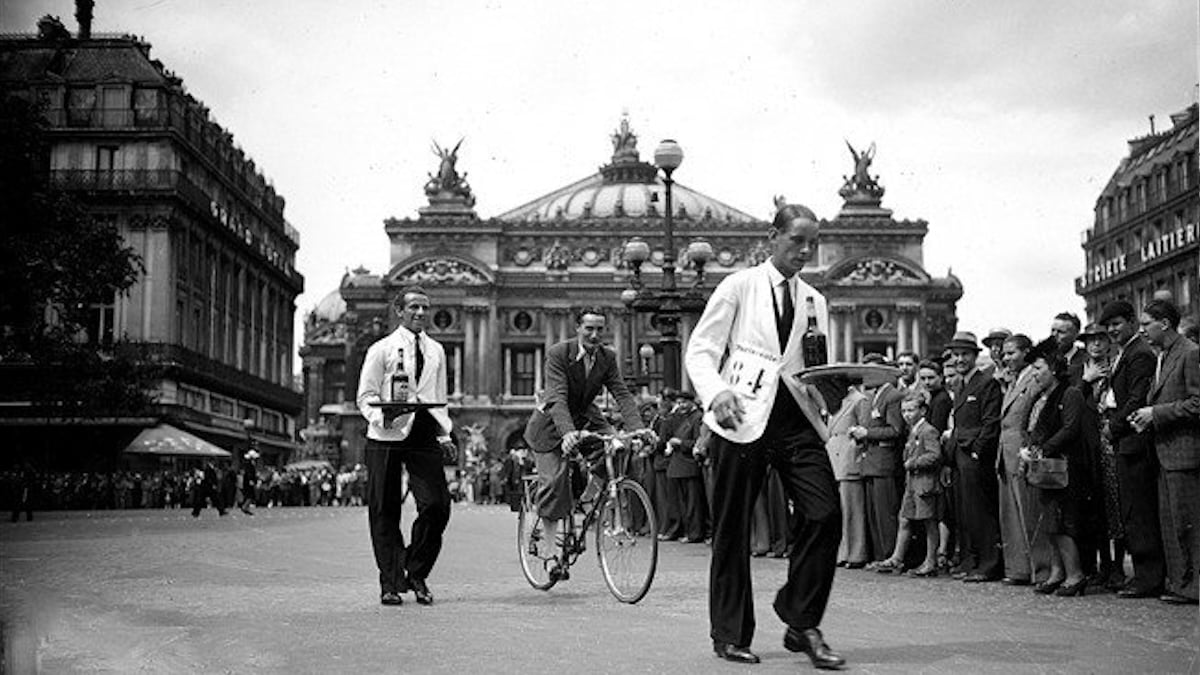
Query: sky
(997, 122)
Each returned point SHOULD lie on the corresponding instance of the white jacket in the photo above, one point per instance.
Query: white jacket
(735, 345)
(374, 382)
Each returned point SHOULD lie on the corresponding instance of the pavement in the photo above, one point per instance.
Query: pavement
(294, 591)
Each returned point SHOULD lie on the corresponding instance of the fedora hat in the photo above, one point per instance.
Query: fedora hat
(995, 334)
(964, 340)
(1093, 330)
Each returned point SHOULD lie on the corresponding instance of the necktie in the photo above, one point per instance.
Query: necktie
(420, 366)
(786, 316)
(1158, 369)
(589, 360)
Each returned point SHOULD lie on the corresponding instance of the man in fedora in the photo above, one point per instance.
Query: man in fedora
(1130, 377)
(974, 442)
(994, 343)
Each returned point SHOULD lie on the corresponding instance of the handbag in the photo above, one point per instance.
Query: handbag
(1047, 473)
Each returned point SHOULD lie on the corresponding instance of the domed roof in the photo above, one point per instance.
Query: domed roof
(625, 188)
(331, 308)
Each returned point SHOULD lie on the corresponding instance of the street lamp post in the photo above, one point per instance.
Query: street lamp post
(667, 303)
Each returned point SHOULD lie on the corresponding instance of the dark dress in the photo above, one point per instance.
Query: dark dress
(1061, 427)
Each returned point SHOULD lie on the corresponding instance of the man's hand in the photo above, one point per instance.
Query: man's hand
(727, 408)
(570, 440)
(1093, 371)
(672, 445)
(647, 436)
(390, 415)
(857, 432)
(449, 449)
(1141, 419)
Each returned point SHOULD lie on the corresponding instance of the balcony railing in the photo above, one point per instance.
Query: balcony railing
(219, 376)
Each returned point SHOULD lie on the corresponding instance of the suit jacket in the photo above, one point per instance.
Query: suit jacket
(1075, 366)
(923, 458)
(940, 405)
(1014, 420)
(1175, 401)
(735, 342)
(569, 400)
(845, 454)
(686, 428)
(885, 431)
(1130, 379)
(976, 415)
(383, 359)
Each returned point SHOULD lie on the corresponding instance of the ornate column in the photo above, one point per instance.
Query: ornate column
(468, 356)
(909, 328)
(458, 372)
(901, 329)
(492, 349)
(835, 334)
(483, 346)
(538, 356)
(851, 319)
(915, 340)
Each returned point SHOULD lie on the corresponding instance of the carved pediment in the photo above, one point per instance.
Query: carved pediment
(877, 271)
(440, 271)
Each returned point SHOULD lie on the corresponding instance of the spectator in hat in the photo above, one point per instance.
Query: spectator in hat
(1095, 386)
(974, 438)
(684, 471)
(1172, 413)
(994, 342)
(882, 472)
(1017, 499)
(1131, 375)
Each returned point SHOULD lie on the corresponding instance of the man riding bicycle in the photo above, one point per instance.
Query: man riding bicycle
(576, 371)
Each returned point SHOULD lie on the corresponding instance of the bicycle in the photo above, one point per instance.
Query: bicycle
(626, 532)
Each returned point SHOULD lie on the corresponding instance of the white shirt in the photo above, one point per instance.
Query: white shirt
(383, 359)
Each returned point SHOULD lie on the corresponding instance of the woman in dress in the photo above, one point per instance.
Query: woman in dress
(845, 454)
(1057, 429)
(1095, 388)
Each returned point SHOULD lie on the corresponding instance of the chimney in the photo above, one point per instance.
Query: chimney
(83, 15)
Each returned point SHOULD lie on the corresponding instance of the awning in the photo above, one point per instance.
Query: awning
(165, 440)
(306, 464)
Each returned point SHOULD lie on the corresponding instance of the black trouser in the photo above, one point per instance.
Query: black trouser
(386, 463)
(666, 505)
(693, 506)
(1137, 477)
(979, 490)
(205, 492)
(738, 473)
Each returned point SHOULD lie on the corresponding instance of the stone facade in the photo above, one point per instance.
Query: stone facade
(1146, 235)
(506, 288)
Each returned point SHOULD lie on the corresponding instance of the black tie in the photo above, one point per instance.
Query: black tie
(786, 317)
(420, 361)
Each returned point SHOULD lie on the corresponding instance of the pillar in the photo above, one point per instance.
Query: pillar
(482, 347)
(915, 325)
(469, 349)
(458, 371)
(901, 329)
(835, 333)
(851, 352)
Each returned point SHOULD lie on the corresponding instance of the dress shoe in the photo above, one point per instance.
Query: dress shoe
(1175, 599)
(856, 565)
(734, 653)
(978, 578)
(424, 597)
(1131, 592)
(692, 540)
(1014, 581)
(810, 641)
(390, 598)
(1047, 587)
(1068, 590)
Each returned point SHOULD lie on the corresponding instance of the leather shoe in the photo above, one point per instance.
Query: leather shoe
(1174, 599)
(1136, 593)
(390, 598)
(424, 597)
(810, 641)
(734, 653)
(856, 565)
(1014, 581)
(978, 579)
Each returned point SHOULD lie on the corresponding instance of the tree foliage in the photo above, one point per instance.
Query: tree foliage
(55, 262)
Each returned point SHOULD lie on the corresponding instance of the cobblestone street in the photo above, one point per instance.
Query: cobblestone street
(293, 590)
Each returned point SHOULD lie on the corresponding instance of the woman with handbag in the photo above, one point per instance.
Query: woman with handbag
(1056, 465)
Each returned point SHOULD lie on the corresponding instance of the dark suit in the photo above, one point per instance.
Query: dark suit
(684, 472)
(1137, 465)
(882, 473)
(1175, 401)
(975, 439)
(569, 405)
(665, 496)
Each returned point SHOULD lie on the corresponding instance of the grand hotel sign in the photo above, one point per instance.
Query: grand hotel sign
(1173, 241)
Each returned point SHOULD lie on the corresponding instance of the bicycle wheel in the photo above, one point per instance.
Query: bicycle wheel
(536, 553)
(628, 553)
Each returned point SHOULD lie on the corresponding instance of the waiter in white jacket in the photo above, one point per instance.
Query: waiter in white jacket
(411, 441)
(742, 359)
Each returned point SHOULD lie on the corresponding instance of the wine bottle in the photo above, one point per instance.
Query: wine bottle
(400, 380)
(812, 344)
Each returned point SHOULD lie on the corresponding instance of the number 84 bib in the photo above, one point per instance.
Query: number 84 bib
(752, 376)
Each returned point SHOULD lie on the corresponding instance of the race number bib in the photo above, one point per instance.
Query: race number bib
(750, 375)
